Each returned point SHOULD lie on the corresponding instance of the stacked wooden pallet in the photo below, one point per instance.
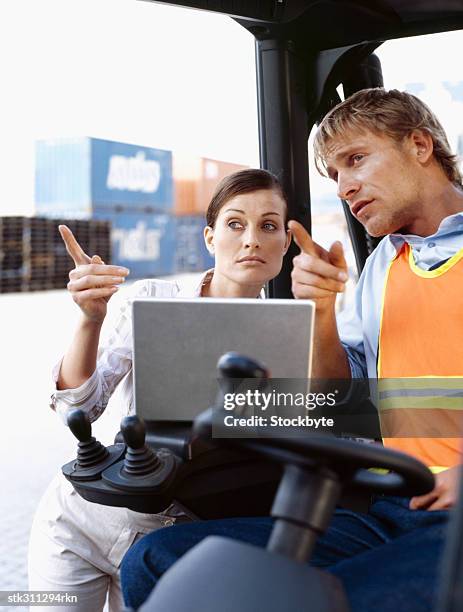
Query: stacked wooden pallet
(33, 256)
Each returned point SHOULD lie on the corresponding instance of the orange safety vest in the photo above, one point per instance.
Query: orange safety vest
(420, 360)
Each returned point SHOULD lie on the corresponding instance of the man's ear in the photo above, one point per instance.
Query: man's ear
(422, 145)
(209, 239)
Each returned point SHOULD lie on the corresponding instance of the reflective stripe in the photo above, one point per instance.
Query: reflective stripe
(436, 469)
(412, 400)
(420, 393)
(453, 383)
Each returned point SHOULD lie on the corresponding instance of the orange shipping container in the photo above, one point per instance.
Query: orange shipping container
(212, 172)
(195, 180)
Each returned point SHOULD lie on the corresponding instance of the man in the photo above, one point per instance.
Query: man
(392, 163)
(401, 181)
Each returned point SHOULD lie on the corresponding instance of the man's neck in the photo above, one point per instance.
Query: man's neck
(442, 199)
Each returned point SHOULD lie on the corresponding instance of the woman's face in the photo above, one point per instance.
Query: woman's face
(249, 238)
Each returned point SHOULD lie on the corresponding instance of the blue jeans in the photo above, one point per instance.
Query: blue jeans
(388, 559)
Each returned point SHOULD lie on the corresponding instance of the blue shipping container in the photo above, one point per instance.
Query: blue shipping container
(75, 176)
(128, 174)
(142, 242)
(62, 178)
(191, 254)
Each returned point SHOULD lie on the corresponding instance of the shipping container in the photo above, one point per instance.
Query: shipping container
(191, 254)
(142, 241)
(75, 176)
(195, 180)
(212, 172)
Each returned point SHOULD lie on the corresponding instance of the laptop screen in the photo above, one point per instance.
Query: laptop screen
(177, 344)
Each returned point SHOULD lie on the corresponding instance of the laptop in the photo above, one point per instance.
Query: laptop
(177, 343)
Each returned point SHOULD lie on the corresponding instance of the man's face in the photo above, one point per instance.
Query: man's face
(379, 179)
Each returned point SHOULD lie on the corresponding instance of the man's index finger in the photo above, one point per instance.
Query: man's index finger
(302, 238)
(337, 257)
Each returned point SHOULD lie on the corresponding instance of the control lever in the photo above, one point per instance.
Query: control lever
(140, 460)
(232, 366)
(92, 456)
(235, 365)
(142, 470)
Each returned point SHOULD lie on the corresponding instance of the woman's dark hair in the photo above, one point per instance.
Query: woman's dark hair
(243, 181)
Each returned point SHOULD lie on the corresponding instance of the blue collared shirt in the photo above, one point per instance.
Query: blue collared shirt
(359, 323)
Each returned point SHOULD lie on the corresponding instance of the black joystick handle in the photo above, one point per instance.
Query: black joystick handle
(134, 431)
(92, 456)
(90, 452)
(235, 365)
(143, 473)
(139, 460)
(79, 424)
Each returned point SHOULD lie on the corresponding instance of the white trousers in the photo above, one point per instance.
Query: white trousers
(77, 546)
(63, 570)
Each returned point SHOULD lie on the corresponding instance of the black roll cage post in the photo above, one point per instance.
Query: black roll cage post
(294, 93)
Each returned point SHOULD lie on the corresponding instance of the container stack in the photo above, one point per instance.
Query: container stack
(191, 254)
(195, 180)
(123, 184)
(33, 256)
(154, 201)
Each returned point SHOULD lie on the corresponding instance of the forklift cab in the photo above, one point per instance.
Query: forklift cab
(305, 50)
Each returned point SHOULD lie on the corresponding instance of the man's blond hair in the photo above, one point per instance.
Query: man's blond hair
(393, 113)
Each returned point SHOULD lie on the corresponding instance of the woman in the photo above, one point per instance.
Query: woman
(78, 546)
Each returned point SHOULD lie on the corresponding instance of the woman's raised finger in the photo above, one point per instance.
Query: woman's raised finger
(91, 281)
(72, 246)
(83, 297)
(98, 270)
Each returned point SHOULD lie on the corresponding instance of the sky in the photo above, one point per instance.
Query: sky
(158, 76)
(122, 70)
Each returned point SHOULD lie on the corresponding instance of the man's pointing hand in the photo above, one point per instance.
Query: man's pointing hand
(317, 274)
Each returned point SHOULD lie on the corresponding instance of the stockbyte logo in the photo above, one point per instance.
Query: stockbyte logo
(133, 173)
